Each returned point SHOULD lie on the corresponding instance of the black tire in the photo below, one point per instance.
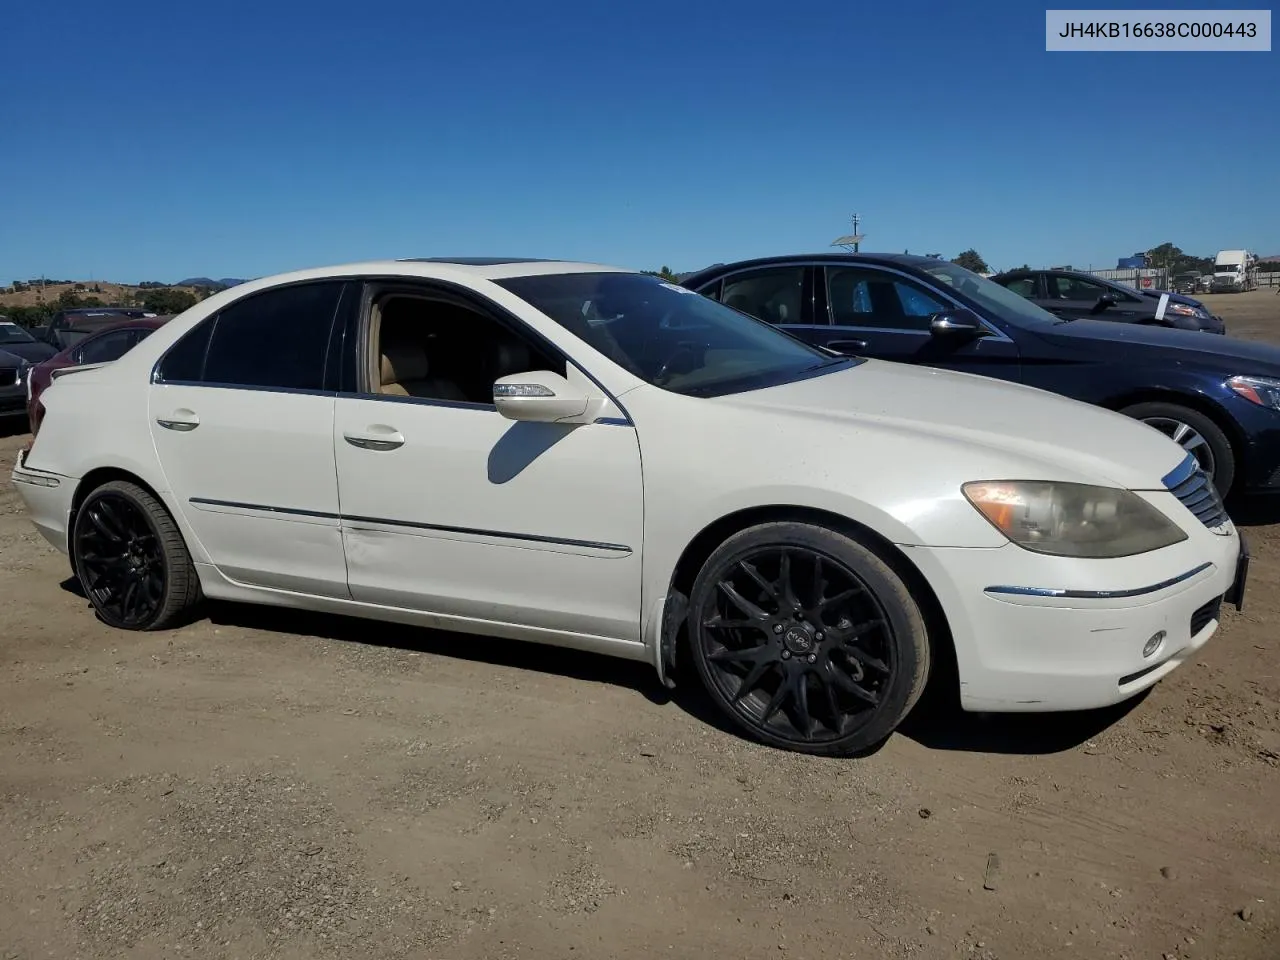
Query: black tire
(131, 560)
(1160, 415)
(833, 672)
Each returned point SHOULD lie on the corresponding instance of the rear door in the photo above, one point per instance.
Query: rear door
(783, 295)
(242, 411)
(879, 312)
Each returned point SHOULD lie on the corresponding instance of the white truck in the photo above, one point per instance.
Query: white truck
(1234, 271)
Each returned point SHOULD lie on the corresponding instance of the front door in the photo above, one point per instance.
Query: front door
(1074, 298)
(242, 419)
(450, 508)
(885, 314)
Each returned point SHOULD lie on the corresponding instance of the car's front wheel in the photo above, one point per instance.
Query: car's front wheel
(131, 560)
(807, 639)
(1196, 434)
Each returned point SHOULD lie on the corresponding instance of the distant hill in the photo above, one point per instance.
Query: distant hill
(206, 282)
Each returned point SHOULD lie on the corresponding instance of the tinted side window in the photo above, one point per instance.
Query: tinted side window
(861, 297)
(185, 360)
(775, 294)
(278, 338)
(108, 347)
(711, 291)
(1073, 288)
(1023, 286)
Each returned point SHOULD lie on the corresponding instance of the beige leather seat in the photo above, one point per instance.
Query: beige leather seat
(405, 373)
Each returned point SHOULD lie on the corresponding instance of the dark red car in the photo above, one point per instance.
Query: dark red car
(101, 346)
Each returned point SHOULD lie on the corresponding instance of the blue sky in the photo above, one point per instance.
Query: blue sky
(148, 140)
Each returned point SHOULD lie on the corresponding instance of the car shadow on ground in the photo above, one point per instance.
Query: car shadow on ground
(937, 723)
(1255, 510)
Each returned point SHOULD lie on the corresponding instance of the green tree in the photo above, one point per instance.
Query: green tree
(971, 260)
(168, 300)
(69, 300)
(665, 273)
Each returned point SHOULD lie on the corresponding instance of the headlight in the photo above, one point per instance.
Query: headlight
(24, 369)
(1263, 391)
(1186, 310)
(1072, 519)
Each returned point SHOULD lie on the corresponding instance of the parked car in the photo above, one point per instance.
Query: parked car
(13, 385)
(15, 340)
(1077, 295)
(108, 344)
(826, 531)
(68, 326)
(1217, 396)
(1188, 283)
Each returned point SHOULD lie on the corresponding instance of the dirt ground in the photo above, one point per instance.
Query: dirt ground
(263, 784)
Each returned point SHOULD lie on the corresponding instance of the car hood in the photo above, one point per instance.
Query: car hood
(1174, 297)
(31, 352)
(1006, 426)
(1231, 355)
(8, 359)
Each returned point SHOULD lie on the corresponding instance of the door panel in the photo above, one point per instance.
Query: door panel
(242, 420)
(877, 313)
(253, 474)
(471, 514)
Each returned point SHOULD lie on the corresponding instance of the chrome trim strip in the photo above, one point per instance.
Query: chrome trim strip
(286, 511)
(1097, 594)
(413, 525)
(244, 386)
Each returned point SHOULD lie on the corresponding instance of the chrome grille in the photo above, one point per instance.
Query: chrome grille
(1192, 486)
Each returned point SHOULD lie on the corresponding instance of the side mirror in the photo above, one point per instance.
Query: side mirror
(542, 397)
(1105, 302)
(957, 324)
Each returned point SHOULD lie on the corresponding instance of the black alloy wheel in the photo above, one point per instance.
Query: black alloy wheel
(807, 639)
(131, 560)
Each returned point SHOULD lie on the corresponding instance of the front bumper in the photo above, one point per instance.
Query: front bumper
(1038, 634)
(13, 400)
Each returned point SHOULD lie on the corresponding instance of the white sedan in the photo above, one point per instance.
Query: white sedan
(586, 456)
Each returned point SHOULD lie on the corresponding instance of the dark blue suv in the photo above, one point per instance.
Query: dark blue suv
(1216, 396)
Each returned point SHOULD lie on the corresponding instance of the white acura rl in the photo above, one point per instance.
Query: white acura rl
(592, 457)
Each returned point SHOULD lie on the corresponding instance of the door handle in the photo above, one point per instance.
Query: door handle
(844, 346)
(377, 438)
(182, 420)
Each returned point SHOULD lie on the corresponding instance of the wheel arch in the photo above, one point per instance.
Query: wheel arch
(97, 476)
(699, 549)
(1194, 401)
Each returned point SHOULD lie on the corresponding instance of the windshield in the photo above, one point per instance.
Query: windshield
(1226, 268)
(12, 333)
(1005, 304)
(669, 336)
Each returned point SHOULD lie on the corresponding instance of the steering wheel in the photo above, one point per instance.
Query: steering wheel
(682, 349)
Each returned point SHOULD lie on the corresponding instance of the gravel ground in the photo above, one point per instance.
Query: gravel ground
(266, 784)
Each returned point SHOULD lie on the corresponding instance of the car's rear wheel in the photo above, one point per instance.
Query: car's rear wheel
(131, 560)
(807, 639)
(1196, 434)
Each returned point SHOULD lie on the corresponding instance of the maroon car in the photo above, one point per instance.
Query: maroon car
(101, 346)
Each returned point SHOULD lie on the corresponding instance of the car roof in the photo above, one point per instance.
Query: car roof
(457, 269)
(889, 259)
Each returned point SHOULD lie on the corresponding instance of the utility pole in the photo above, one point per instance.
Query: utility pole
(853, 240)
